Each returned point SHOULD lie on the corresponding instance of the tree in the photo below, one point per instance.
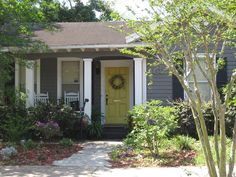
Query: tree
(81, 12)
(103, 8)
(175, 32)
(18, 20)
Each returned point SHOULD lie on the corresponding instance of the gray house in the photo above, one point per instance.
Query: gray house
(84, 62)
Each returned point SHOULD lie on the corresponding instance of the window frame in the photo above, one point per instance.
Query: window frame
(199, 55)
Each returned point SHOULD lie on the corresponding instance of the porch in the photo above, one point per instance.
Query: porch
(112, 84)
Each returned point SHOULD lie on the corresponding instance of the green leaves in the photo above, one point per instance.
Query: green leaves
(152, 122)
(82, 12)
(18, 21)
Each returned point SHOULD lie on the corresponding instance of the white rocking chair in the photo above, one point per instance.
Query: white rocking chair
(41, 98)
(70, 97)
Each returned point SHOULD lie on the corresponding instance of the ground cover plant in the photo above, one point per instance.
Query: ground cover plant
(176, 151)
(35, 153)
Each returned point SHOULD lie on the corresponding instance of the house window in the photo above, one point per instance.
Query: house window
(70, 76)
(204, 87)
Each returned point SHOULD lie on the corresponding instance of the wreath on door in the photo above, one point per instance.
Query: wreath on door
(117, 82)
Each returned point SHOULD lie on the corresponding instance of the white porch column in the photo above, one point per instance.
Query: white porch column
(138, 81)
(144, 80)
(88, 85)
(29, 84)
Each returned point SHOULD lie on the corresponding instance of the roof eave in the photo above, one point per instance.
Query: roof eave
(97, 47)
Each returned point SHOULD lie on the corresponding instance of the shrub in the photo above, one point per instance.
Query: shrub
(66, 142)
(48, 129)
(8, 152)
(184, 142)
(15, 128)
(151, 123)
(67, 119)
(29, 144)
(231, 112)
(3, 115)
(11, 144)
(186, 125)
(94, 130)
(17, 122)
(14, 121)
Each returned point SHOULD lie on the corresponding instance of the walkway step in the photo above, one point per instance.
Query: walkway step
(114, 132)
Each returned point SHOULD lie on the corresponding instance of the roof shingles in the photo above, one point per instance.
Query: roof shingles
(83, 33)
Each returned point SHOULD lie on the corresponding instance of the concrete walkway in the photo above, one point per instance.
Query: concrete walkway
(94, 154)
(92, 162)
(53, 171)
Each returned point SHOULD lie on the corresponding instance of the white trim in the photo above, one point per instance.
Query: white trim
(199, 55)
(82, 47)
(198, 81)
(17, 74)
(144, 80)
(88, 86)
(97, 46)
(38, 75)
(203, 55)
(81, 75)
(59, 75)
(132, 38)
(115, 63)
(29, 84)
(138, 80)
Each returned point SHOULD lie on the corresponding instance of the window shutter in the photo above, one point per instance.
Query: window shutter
(222, 76)
(177, 89)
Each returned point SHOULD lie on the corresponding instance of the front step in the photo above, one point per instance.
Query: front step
(114, 132)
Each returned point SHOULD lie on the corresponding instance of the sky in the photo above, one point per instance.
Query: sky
(121, 6)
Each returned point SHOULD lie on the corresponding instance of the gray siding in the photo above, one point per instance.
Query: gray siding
(161, 85)
(96, 85)
(48, 77)
(231, 60)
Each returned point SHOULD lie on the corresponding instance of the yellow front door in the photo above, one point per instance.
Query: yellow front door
(117, 94)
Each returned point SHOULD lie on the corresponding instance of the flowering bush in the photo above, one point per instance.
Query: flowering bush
(67, 119)
(8, 152)
(48, 129)
(151, 123)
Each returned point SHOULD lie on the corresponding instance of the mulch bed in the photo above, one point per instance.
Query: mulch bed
(166, 159)
(45, 154)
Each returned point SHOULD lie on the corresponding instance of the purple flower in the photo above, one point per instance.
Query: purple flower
(40, 124)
